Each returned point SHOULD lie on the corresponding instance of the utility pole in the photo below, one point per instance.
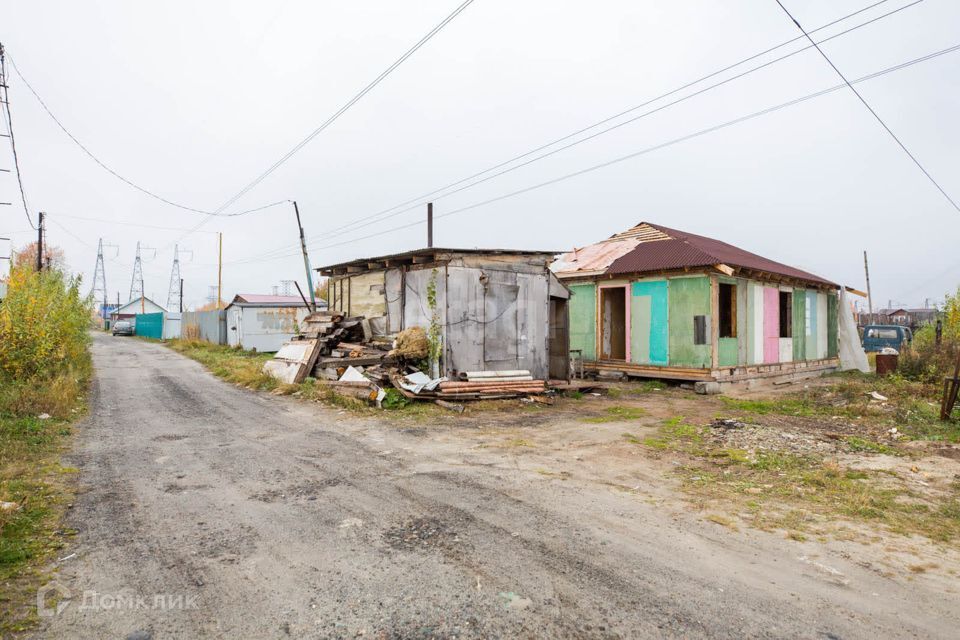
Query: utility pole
(40, 243)
(866, 271)
(306, 258)
(220, 272)
(8, 258)
(181, 295)
(429, 225)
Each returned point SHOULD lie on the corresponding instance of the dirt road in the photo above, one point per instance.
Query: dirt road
(208, 511)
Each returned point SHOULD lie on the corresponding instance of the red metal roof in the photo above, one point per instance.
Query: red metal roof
(684, 249)
(260, 298)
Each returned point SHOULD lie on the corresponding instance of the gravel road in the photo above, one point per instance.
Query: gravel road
(209, 511)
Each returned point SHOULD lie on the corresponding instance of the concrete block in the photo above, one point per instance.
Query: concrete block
(706, 387)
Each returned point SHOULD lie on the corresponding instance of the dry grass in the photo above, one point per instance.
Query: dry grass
(802, 494)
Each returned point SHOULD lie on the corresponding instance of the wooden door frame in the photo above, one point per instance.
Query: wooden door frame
(626, 318)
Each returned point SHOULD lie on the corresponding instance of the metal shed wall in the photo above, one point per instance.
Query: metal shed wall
(209, 326)
(263, 329)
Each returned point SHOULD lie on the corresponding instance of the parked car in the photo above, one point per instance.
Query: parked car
(123, 328)
(878, 336)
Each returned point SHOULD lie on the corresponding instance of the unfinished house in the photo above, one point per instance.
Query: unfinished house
(657, 302)
(497, 310)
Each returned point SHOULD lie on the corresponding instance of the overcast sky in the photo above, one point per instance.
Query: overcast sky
(193, 100)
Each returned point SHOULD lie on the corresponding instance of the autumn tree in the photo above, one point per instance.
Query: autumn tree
(53, 257)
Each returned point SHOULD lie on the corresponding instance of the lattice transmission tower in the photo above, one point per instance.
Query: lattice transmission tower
(173, 291)
(136, 283)
(99, 291)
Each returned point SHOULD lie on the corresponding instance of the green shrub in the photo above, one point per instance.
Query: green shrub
(44, 357)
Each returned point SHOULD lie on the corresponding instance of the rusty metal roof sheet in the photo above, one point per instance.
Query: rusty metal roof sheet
(594, 258)
(659, 248)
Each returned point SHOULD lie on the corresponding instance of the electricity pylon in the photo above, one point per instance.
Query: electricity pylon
(173, 292)
(136, 283)
(99, 291)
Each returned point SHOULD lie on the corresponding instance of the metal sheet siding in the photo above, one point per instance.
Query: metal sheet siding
(149, 325)
(171, 326)
(265, 329)
(209, 326)
(464, 346)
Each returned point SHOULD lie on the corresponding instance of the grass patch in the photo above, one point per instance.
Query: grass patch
(800, 493)
(676, 435)
(617, 414)
(870, 446)
(244, 368)
(635, 388)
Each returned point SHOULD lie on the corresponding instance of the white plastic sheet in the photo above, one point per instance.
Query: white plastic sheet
(852, 355)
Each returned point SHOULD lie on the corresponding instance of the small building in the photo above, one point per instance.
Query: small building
(135, 307)
(264, 322)
(657, 302)
(496, 309)
(913, 318)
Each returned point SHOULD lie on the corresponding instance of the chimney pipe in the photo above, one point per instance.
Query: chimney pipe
(429, 225)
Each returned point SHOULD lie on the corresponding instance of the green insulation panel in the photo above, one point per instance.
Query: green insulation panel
(832, 320)
(648, 319)
(149, 325)
(689, 298)
(799, 325)
(583, 319)
(728, 352)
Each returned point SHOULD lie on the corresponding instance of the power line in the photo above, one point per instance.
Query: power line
(419, 201)
(124, 223)
(9, 123)
(641, 152)
(114, 173)
(356, 98)
(870, 109)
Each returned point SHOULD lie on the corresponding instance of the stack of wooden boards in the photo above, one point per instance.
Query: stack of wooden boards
(328, 343)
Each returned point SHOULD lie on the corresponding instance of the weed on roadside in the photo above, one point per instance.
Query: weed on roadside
(617, 414)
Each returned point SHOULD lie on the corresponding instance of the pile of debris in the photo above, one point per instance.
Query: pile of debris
(327, 346)
(344, 352)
